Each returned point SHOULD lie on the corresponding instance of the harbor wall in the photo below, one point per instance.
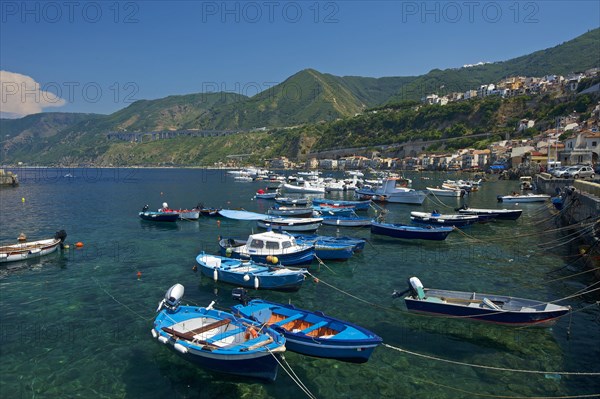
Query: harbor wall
(580, 208)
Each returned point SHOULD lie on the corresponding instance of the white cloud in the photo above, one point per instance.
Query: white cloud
(20, 95)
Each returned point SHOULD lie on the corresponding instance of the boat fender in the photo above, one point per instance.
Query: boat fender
(256, 283)
(163, 339)
(215, 274)
(180, 348)
(416, 287)
(246, 277)
(251, 333)
(154, 333)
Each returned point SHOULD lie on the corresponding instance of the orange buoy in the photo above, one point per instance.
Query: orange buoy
(218, 223)
(139, 275)
(79, 244)
(316, 280)
(195, 268)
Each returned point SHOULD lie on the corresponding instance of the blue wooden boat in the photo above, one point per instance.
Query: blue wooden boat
(357, 205)
(346, 221)
(250, 274)
(313, 333)
(491, 308)
(411, 232)
(262, 247)
(158, 216)
(500, 214)
(357, 243)
(287, 201)
(216, 340)
(436, 218)
(329, 211)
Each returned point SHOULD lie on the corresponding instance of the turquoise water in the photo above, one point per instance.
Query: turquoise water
(77, 323)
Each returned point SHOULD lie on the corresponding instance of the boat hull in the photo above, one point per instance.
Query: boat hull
(523, 198)
(346, 221)
(512, 311)
(410, 232)
(159, 216)
(231, 358)
(500, 214)
(289, 224)
(250, 274)
(350, 343)
(28, 250)
(357, 205)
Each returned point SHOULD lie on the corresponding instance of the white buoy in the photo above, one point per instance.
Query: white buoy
(256, 283)
(215, 275)
(180, 348)
(246, 277)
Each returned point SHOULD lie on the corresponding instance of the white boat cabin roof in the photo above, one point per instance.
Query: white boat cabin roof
(270, 240)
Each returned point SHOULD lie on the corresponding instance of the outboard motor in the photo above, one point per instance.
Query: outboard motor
(240, 294)
(145, 208)
(416, 288)
(172, 298)
(62, 236)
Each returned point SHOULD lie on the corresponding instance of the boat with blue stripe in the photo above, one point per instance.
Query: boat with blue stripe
(217, 340)
(312, 333)
(398, 230)
(250, 274)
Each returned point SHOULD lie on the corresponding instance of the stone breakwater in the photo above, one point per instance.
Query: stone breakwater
(580, 207)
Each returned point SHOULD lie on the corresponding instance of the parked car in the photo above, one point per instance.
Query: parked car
(558, 172)
(578, 172)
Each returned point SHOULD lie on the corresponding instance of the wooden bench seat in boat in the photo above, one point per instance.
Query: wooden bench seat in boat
(280, 323)
(189, 335)
(314, 327)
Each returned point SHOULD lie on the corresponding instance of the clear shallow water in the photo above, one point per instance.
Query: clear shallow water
(77, 324)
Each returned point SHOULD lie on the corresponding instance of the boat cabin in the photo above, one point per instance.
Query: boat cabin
(270, 241)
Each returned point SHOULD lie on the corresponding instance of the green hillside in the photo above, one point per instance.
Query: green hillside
(308, 111)
(579, 54)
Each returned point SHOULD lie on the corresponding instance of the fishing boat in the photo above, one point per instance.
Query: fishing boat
(184, 214)
(291, 211)
(398, 230)
(250, 274)
(491, 308)
(158, 216)
(290, 224)
(529, 197)
(334, 211)
(292, 201)
(312, 333)
(262, 194)
(209, 212)
(262, 247)
(33, 249)
(358, 244)
(356, 205)
(309, 187)
(393, 190)
(456, 220)
(346, 221)
(446, 192)
(500, 214)
(217, 340)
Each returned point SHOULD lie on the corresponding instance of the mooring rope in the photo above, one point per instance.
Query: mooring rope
(121, 303)
(480, 366)
(292, 375)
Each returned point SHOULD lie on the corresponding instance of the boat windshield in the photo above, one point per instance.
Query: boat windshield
(286, 244)
(256, 244)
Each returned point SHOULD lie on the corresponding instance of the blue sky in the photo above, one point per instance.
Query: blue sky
(100, 56)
